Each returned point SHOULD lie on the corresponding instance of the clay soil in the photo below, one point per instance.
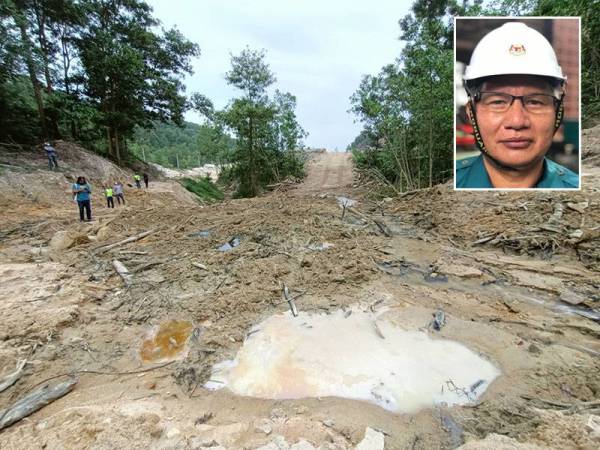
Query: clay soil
(504, 268)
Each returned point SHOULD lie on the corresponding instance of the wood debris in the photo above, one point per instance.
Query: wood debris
(123, 272)
(34, 401)
(12, 378)
(137, 237)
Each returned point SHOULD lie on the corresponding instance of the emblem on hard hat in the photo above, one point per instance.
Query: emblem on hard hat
(517, 49)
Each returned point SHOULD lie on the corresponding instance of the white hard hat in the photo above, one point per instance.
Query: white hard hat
(513, 48)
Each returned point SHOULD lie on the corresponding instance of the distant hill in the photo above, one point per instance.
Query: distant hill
(184, 147)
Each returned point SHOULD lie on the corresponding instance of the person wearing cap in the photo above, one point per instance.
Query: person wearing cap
(516, 95)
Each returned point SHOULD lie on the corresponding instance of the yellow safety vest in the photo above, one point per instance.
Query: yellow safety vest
(109, 192)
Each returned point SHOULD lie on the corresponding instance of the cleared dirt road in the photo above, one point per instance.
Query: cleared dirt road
(328, 172)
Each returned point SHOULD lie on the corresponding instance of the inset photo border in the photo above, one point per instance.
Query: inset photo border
(517, 123)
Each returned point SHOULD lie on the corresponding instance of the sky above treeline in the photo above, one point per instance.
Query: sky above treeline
(319, 51)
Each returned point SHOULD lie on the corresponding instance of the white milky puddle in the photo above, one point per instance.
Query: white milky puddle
(333, 355)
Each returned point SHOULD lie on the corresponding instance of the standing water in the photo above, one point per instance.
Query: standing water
(167, 342)
(354, 356)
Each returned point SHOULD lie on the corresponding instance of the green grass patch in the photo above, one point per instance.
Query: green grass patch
(204, 188)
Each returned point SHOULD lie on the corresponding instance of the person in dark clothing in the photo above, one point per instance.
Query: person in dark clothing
(82, 190)
(146, 180)
(51, 154)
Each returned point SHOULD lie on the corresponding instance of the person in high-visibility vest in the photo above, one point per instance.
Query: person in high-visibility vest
(110, 202)
(137, 179)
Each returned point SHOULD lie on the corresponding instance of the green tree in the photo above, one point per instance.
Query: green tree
(407, 107)
(267, 132)
(19, 12)
(589, 10)
(132, 73)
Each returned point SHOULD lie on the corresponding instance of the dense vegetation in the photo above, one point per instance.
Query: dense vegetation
(407, 107)
(204, 188)
(100, 72)
(267, 135)
(88, 70)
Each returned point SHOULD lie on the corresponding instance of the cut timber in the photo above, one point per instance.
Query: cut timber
(12, 378)
(34, 401)
(137, 237)
(123, 272)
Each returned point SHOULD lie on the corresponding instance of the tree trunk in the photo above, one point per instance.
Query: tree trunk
(40, 18)
(21, 21)
(430, 152)
(109, 138)
(253, 188)
(66, 63)
(117, 147)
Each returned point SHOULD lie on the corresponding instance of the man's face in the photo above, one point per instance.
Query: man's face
(516, 138)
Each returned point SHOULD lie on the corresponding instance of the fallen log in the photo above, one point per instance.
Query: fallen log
(34, 401)
(12, 378)
(123, 272)
(137, 237)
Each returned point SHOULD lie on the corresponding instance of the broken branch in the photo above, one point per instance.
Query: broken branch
(12, 378)
(123, 272)
(34, 401)
(137, 237)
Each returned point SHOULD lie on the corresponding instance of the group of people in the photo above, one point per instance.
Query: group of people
(82, 194)
(137, 179)
(115, 191)
(82, 189)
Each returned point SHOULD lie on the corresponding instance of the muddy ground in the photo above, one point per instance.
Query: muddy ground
(516, 274)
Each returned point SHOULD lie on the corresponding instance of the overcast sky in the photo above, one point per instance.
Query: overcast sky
(318, 50)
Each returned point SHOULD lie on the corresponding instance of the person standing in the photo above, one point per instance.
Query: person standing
(110, 202)
(146, 179)
(51, 154)
(516, 95)
(137, 178)
(82, 191)
(118, 190)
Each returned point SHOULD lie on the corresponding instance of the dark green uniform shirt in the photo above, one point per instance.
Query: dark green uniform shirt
(471, 173)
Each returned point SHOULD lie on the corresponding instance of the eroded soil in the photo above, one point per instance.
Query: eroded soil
(67, 311)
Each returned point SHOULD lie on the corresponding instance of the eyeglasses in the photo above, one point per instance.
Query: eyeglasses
(499, 102)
